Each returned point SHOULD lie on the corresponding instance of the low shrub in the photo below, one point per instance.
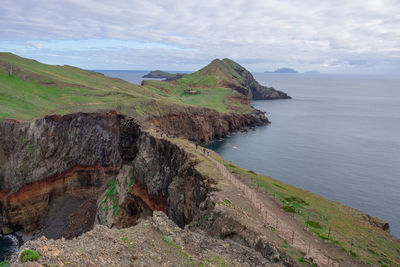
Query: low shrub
(293, 199)
(314, 224)
(29, 255)
(289, 209)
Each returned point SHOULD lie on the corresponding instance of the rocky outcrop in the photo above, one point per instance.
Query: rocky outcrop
(69, 161)
(156, 241)
(232, 75)
(377, 222)
(253, 89)
(159, 74)
(205, 125)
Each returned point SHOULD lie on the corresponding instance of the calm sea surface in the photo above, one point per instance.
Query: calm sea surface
(338, 137)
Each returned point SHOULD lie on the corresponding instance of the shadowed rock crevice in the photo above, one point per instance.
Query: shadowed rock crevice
(61, 174)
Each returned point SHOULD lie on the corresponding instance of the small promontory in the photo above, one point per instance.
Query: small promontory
(159, 74)
(230, 74)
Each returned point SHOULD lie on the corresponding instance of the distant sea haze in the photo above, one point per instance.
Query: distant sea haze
(338, 137)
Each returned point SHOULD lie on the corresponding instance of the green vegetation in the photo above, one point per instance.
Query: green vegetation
(314, 224)
(29, 255)
(168, 238)
(330, 220)
(30, 89)
(112, 195)
(216, 261)
(5, 263)
(289, 209)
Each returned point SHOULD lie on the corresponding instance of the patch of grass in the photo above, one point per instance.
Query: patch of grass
(169, 239)
(301, 259)
(29, 255)
(314, 224)
(294, 199)
(285, 244)
(112, 195)
(4, 263)
(277, 185)
(289, 209)
(216, 261)
(131, 181)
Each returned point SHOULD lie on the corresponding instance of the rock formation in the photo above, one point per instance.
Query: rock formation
(71, 160)
(232, 75)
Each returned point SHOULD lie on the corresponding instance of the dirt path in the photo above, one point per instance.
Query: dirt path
(286, 227)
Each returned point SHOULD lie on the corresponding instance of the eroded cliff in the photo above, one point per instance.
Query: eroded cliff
(205, 125)
(59, 173)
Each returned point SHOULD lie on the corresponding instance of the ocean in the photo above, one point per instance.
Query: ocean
(8, 245)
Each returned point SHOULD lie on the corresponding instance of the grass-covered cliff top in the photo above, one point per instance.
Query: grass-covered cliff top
(30, 89)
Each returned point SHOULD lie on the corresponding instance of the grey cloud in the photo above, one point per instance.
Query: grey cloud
(261, 34)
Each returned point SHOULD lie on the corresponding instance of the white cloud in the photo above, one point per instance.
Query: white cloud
(295, 33)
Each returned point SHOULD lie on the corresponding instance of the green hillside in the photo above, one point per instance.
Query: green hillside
(30, 89)
(227, 74)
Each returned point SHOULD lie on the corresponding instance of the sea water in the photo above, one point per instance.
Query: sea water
(8, 245)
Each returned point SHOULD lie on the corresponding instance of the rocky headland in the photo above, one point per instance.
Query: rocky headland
(99, 172)
(159, 74)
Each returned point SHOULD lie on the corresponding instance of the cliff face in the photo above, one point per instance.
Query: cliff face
(205, 125)
(65, 164)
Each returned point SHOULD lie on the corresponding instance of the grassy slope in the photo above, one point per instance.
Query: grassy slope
(342, 224)
(209, 82)
(35, 89)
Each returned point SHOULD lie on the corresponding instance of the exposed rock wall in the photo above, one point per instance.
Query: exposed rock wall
(206, 125)
(75, 158)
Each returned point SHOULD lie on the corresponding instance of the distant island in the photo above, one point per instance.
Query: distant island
(283, 70)
(289, 70)
(312, 72)
(159, 74)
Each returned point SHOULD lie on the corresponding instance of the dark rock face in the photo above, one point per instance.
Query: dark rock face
(250, 87)
(73, 159)
(377, 222)
(206, 125)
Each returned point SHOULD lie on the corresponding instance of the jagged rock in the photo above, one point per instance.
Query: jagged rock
(68, 161)
(205, 125)
(152, 242)
(378, 222)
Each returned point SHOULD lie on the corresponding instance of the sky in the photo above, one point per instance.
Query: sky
(335, 36)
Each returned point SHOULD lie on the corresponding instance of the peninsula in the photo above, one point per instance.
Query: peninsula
(159, 74)
(101, 172)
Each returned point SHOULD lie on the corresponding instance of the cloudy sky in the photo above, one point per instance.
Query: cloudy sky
(357, 36)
